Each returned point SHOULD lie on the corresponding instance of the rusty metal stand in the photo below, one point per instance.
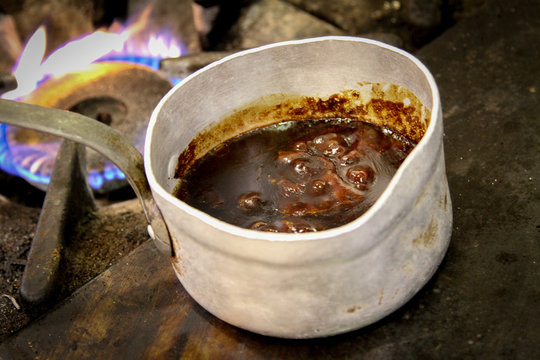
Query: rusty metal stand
(68, 199)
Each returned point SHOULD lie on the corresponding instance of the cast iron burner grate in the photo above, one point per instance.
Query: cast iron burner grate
(121, 95)
(69, 198)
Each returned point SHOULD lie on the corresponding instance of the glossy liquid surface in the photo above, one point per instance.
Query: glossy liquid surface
(295, 176)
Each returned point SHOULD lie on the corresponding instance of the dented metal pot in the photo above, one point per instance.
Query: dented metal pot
(312, 284)
(289, 285)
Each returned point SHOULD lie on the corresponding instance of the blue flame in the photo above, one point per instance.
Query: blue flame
(151, 62)
(11, 167)
(96, 178)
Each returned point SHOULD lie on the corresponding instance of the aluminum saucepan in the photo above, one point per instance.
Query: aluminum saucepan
(288, 285)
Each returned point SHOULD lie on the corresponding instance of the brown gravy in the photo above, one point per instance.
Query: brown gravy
(295, 176)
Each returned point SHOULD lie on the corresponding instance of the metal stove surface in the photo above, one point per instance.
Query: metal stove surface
(96, 240)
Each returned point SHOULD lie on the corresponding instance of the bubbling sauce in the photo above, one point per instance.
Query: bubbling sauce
(295, 176)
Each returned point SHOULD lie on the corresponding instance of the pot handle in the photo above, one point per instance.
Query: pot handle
(101, 138)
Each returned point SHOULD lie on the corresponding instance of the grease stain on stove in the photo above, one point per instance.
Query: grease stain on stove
(506, 258)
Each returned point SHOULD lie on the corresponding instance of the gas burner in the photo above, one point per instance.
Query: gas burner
(120, 94)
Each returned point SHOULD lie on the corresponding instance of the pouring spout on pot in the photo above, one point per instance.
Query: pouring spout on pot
(101, 138)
